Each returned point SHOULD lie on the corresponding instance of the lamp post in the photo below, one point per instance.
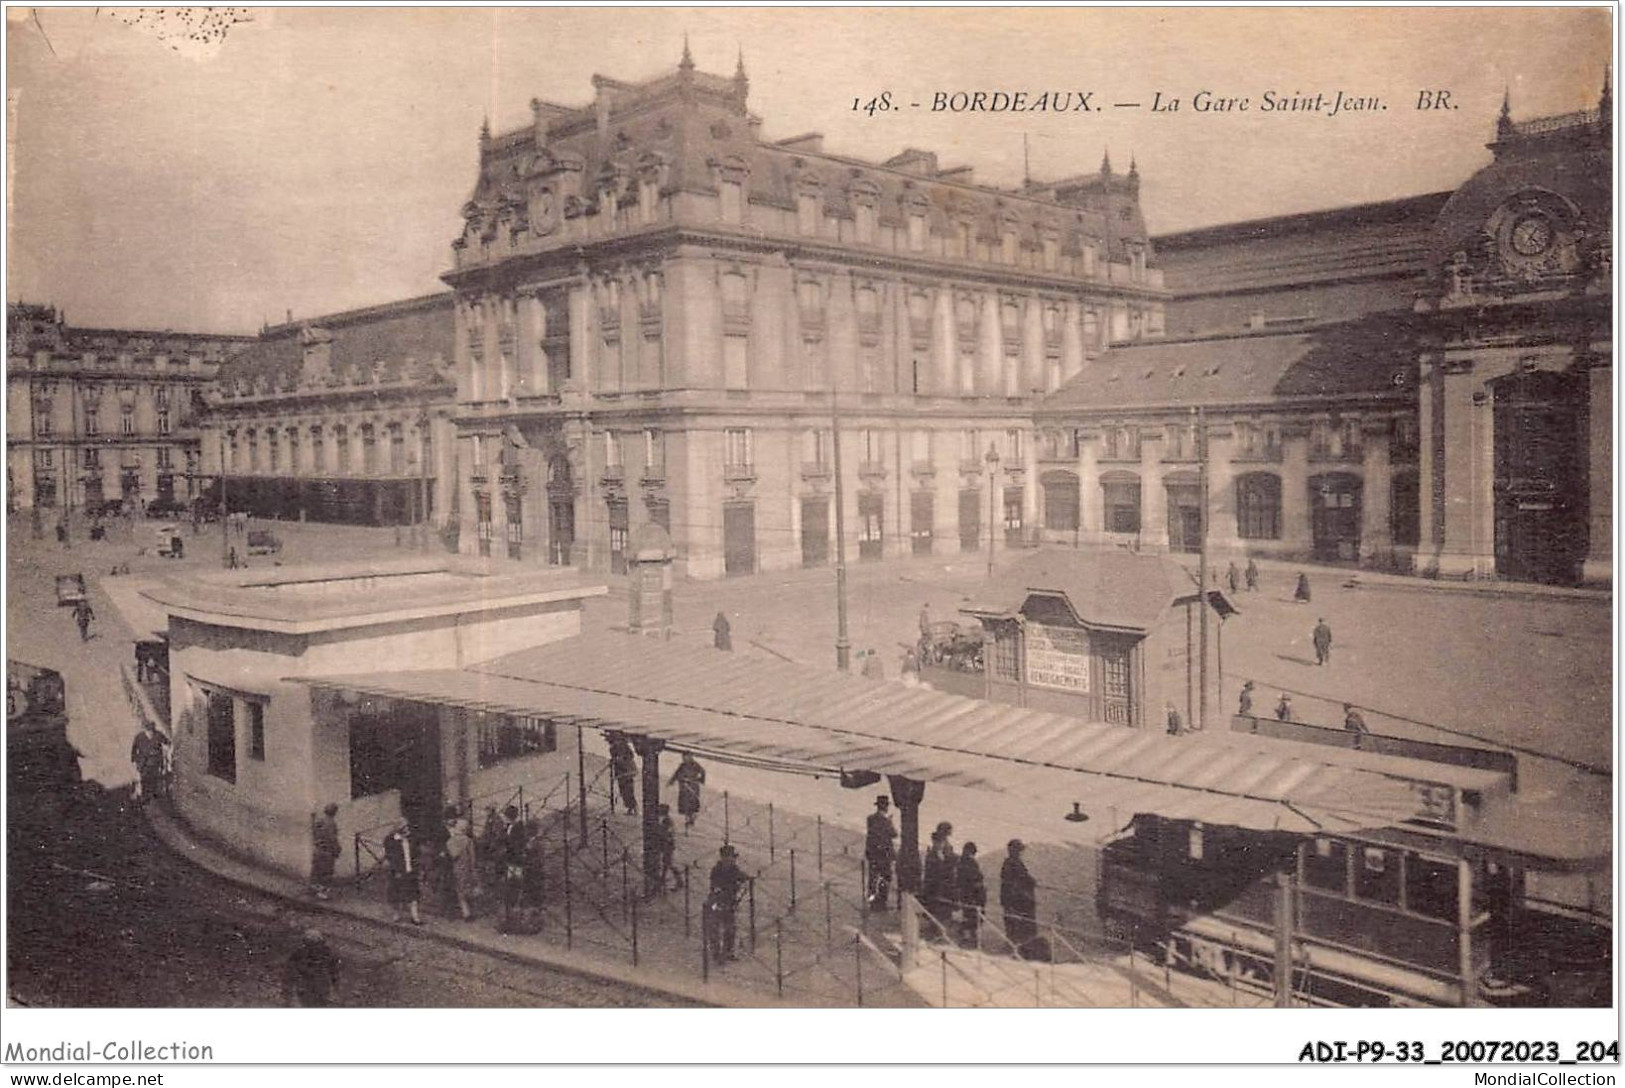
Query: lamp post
(992, 501)
(843, 643)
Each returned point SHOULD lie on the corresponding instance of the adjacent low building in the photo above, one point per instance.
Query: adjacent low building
(257, 753)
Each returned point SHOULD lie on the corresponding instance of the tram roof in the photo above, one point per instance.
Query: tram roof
(796, 716)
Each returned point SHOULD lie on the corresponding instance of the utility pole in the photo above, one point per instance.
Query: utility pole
(1201, 562)
(843, 644)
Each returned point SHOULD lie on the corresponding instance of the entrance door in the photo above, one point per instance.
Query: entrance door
(815, 531)
(871, 525)
(130, 486)
(970, 521)
(922, 511)
(1184, 518)
(562, 517)
(1335, 501)
(739, 538)
(1117, 684)
(1540, 497)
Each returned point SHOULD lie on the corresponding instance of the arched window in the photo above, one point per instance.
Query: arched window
(1060, 501)
(1258, 506)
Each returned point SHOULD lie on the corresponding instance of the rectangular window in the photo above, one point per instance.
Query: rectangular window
(163, 422)
(916, 232)
(807, 214)
(1008, 247)
(1122, 507)
(733, 202)
(504, 737)
(737, 451)
(815, 448)
(397, 449)
(735, 362)
(126, 422)
(649, 199)
(1376, 875)
(369, 450)
(866, 219)
(1326, 866)
(165, 458)
(256, 729)
(1432, 887)
(93, 424)
(93, 460)
(873, 446)
(922, 447)
(654, 453)
(222, 738)
(1014, 451)
(1052, 254)
(969, 446)
(45, 459)
(273, 449)
(612, 450)
(341, 439)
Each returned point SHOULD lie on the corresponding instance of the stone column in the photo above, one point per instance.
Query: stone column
(1297, 537)
(990, 357)
(1376, 513)
(1032, 343)
(1599, 560)
(1467, 479)
(580, 335)
(1071, 340)
(945, 346)
(1091, 502)
(1153, 502)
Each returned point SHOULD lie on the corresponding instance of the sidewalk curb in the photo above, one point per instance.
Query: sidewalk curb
(179, 842)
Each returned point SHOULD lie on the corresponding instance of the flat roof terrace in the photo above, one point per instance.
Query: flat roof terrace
(331, 596)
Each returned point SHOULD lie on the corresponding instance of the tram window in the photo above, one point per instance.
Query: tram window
(1430, 887)
(1376, 876)
(1326, 866)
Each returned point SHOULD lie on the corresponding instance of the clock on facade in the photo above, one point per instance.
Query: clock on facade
(1531, 236)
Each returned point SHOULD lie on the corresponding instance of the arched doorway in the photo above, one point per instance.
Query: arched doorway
(1334, 503)
(561, 511)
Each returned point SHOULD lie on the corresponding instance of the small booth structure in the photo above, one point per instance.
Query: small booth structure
(256, 752)
(1108, 635)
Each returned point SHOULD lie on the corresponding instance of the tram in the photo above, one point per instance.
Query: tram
(1433, 911)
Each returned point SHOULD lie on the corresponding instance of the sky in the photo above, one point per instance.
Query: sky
(312, 160)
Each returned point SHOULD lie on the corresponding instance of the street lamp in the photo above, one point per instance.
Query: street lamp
(992, 499)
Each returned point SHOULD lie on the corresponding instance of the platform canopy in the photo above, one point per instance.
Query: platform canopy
(794, 716)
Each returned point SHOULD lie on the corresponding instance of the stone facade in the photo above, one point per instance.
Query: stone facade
(344, 418)
(97, 416)
(1422, 384)
(660, 314)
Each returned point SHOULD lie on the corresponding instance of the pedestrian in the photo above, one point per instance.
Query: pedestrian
(623, 769)
(462, 860)
(312, 974)
(880, 853)
(147, 753)
(1322, 639)
(82, 615)
(1245, 708)
(728, 886)
(324, 850)
(1176, 723)
(911, 667)
(937, 881)
(403, 875)
(689, 777)
(1232, 577)
(1353, 722)
(1283, 709)
(666, 847)
(232, 563)
(1301, 594)
(722, 632)
(873, 669)
(971, 891)
(514, 841)
(1018, 898)
(1252, 575)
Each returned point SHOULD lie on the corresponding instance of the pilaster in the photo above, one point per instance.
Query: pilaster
(1376, 512)
(1296, 534)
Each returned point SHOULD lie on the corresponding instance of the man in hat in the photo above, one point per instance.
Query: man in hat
(722, 632)
(1245, 707)
(147, 753)
(688, 777)
(880, 853)
(1301, 594)
(728, 885)
(1283, 709)
(1018, 897)
(82, 615)
(1176, 721)
(623, 768)
(1353, 722)
(1322, 639)
(403, 888)
(1252, 575)
(937, 881)
(971, 891)
(1232, 578)
(324, 850)
(666, 845)
(312, 973)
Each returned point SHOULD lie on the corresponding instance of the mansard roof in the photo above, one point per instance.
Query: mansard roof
(1374, 357)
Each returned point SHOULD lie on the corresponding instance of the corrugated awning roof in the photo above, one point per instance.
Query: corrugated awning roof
(699, 698)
